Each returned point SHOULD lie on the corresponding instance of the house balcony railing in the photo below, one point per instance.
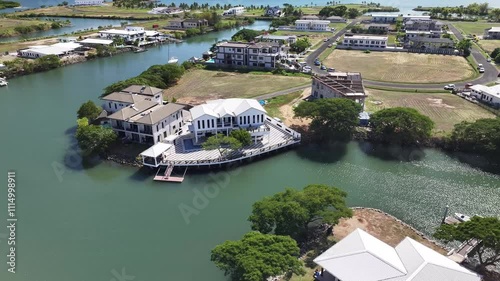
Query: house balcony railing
(146, 132)
(133, 130)
(118, 127)
(223, 125)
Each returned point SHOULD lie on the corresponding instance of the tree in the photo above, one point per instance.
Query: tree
(93, 138)
(245, 35)
(485, 229)
(222, 143)
(400, 125)
(257, 256)
(331, 118)
(481, 137)
(353, 13)
(495, 14)
(495, 53)
(497, 59)
(46, 63)
(464, 45)
(300, 45)
(243, 136)
(89, 110)
(292, 211)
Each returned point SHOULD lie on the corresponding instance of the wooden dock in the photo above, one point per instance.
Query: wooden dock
(461, 252)
(451, 220)
(167, 175)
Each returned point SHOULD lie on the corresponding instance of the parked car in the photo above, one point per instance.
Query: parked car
(323, 67)
(480, 65)
(449, 87)
(331, 69)
(317, 63)
(330, 45)
(481, 70)
(488, 59)
(326, 40)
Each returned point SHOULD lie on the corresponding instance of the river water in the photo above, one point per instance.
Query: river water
(101, 221)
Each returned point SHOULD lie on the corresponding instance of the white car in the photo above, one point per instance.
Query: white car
(449, 87)
(488, 59)
(480, 65)
(481, 70)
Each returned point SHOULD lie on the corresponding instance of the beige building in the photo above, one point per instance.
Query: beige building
(347, 85)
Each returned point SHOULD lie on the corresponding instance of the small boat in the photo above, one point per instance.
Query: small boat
(140, 50)
(462, 217)
(173, 60)
(3, 82)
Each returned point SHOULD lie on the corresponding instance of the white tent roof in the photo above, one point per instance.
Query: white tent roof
(361, 257)
(96, 41)
(225, 107)
(156, 150)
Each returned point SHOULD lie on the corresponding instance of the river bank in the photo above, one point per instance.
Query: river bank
(12, 27)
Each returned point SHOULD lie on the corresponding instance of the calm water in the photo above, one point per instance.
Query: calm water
(90, 224)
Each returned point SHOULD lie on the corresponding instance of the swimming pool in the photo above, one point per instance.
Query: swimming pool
(189, 145)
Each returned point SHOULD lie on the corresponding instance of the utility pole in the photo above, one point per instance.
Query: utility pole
(445, 214)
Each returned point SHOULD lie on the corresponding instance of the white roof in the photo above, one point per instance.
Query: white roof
(225, 107)
(416, 17)
(56, 49)
(366, 37)
(495, 29)
(121, 31)
(385, 15)
(313, 21)
(361, 257)
(156, 150)
(96, 41)
(151, 32)
(493, 90)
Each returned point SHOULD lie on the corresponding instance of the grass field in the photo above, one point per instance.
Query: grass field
(7, 25)
(199, 85)
(489, 45)
(274, 104)
(476, 28)
(402, 67)
(444, 109)
(92, 11)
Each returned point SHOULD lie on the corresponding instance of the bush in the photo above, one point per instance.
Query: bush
(89, 110)
(243, 136)
(92, 138)
(481, 137)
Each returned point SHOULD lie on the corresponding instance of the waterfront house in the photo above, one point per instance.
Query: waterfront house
(58, 49)
(429, 43)
(94, 42)
(361, 257)
(335, 19)
(165, 11)
(347, 85)
(130, 34)
(490, 95)
(234, 11)
(194, 23)
(260, 54)
(274, 11)
(312, 25)
(384, 18)
(175, 24)
(423, 25)
(88, 2)
(309, 17)
(365, 42)
(283, 39)
(118, 100)
(492, 33)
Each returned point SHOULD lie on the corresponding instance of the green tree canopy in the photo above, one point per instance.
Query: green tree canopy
(481, 136)
(400, 125)
(353, 13)
(464, 45)
(332, 119)
(485, 229)
(46, 63)
(258, 256)
(222, 143)
(292, 211)
(339, 10)
(89, 110)
(93, 138)
(245, 35)
(300, 45)
(243, 136)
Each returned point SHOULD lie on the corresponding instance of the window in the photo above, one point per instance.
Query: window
(199, 124)
(115, 106)
(203, 124)
(241, 120)
(213, 123)
(165, 134)
(162, 125)
(109, 105)
(157, 128)
(253, 119)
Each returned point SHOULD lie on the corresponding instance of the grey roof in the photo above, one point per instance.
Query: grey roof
(310, 17)
(233, 44)
(131, 111)
(334, 17)
(195, 20)
(263, 45)
(344, 86)
(124, 97)
(158, 113)
(379, 24)
(431, 40)
(143, 90)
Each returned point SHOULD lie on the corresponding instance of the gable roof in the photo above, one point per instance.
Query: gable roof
(156, 114)
(142, 90)
(123, 97)
(361, 257)
(225, 107)
(131, 111)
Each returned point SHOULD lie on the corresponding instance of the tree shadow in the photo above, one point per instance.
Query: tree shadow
(326, 153)
(392, 152)
(477, 161)
(142, 174)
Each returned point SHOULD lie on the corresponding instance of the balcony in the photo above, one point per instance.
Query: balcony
(133, 129)
(146, 132)
(118, 127)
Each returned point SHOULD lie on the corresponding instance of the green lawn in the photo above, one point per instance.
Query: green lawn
(474, 28)
(274, 104)
(391, 40)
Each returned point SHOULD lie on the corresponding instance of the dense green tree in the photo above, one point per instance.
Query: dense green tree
(292, 211)
(46, 63)
(93, 138)
(192, 32)
(245, 35)
(300, 45)
(353, 13)
(495, 14)
(481, 137)
(223, 144)
(486, 229)
(495, 53)
(243, 136)
(464, 45)
(332, 119)
(89, 110)
(497, 59)
(9, 4)
(257, 256)
(400, 125)
(328, 11)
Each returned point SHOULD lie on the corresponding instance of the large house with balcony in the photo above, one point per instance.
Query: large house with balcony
(312, 25)
(131, 95)
(260, 54)
(130, 34)
(347, 85)
(224, 115)
(367, 42)
(384, 18)
(490, 95)
(423, 25)
(424, 43)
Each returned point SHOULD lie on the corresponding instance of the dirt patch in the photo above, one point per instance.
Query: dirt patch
(287, 111)
(383, 226)
(438, 103)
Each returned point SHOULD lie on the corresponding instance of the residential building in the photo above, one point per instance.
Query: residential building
(88, 2)
(175, 24)
(224, 115)
(274, 11)
(410, 17)
(371, 42)
(423, 34)
(384, 18)
(155, 94)
(492, 33)
(58, 49)
(93, 42)
(487, 94)
(312, 25)
(309, 17)
(194, 23)
(234, 11)
(423, 25)
(429, 43)
(261, 54)
(362, 257)
(347, 85)
(165, 11)
(334, 19)
(378, 27)
(130, 34)
(285, 39)
(118, 100)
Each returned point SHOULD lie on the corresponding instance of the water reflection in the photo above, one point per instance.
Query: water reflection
(477, 161)
(323, 153)
(392, 152)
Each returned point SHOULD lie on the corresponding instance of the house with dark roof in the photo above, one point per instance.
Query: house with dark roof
(274, 11)
(425, 43)
(260, 54)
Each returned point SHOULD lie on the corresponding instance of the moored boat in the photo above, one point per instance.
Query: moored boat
(462, 217)
(173, 60)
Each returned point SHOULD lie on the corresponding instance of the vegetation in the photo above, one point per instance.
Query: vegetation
(257, 257)
(20, 65)
(292, 211)
(14, 26)
(273, 104)
(332, 119)
(400, 125)
(8, 4)
(93, 138)
(245, 35)
(160, 76)
(224, 144)
(495, 55)
(464, 45)
(485, 229)
(481, 137)
(473, 9)
(300, 45)
(89, 110)
(243, 136)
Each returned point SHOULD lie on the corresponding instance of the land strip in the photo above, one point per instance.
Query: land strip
(105, 11)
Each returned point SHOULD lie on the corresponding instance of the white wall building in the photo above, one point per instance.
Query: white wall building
(384, 18)
(287, 39)
(130, 33)
(88, 2)
(486, 94)
(362, 257)
(261, 54)
(370, 42)
(224, 115)
(492, 33)
(317, 25)
(234, 11)
(410, 17)
(58, 49)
